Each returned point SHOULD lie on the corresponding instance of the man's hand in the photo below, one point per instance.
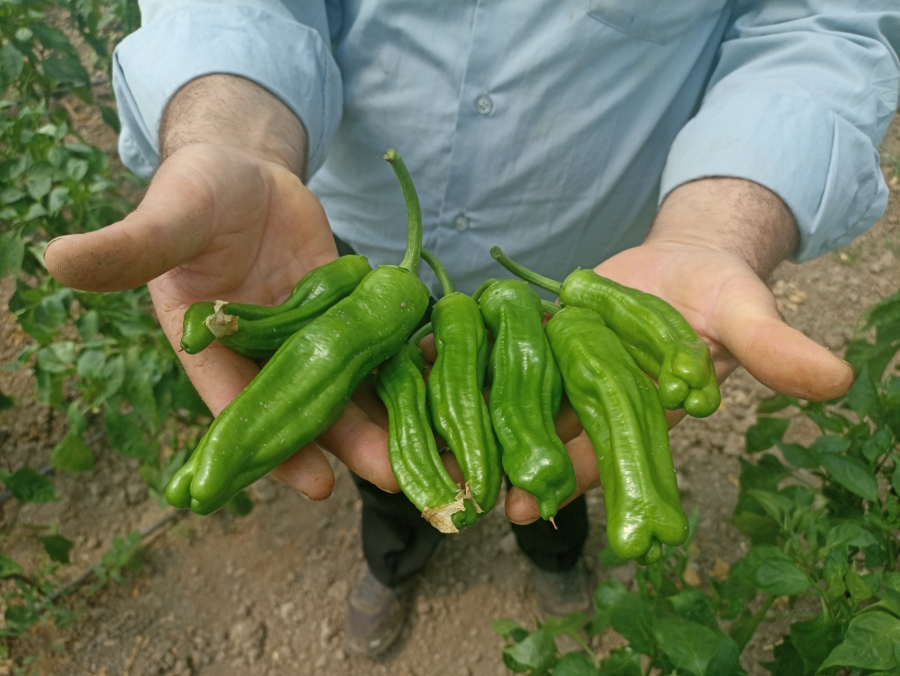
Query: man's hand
(711, 245)
(226, 217)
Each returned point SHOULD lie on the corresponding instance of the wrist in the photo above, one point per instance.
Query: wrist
(731, 215)
(227, 110)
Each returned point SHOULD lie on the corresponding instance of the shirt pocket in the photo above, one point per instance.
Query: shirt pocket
(658, 21)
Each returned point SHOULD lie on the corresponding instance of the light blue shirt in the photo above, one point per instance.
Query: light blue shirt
(552, 128)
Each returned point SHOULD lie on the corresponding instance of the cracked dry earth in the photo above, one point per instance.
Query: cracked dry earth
(264, 595)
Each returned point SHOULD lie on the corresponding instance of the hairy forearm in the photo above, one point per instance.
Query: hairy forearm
(232, 111)
(728, 214)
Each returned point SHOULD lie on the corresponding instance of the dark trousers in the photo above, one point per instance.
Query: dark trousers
(397, 541)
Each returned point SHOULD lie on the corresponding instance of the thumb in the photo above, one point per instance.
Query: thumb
(168, 228)
(777, 355)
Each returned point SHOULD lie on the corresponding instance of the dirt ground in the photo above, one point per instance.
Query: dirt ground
(264, 595)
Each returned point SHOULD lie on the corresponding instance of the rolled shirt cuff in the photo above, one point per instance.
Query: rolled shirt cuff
(823, 168)
(291, 60)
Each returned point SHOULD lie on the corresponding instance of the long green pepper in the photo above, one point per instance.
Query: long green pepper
(455, 389)
(658, 338)
(414, 457)
(302, 390)
(257, 331)
(619, 408)
(526, 391)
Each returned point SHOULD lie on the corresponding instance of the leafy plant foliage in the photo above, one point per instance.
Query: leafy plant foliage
(824, 523)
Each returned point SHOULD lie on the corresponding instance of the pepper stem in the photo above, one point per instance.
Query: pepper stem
(417, 337)
(413, 212)
(479, 292)
(439, 270)
(550, 308)
(532, 277)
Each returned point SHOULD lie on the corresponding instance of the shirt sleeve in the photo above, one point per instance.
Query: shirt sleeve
(798, 102)
(282, 45)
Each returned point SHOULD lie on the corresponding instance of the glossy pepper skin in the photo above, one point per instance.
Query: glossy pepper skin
(455, 389)
(658, 338)
(257, 331)
(303, 389)
(619, 408)
(414, 457)
(526, 391)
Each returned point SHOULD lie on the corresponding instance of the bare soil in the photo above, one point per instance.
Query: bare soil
(265, 594)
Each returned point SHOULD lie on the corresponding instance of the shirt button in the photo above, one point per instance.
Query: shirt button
(461, 223)
(484, 105)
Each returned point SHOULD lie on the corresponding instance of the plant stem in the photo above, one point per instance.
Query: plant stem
(417, 337)
(483, 287)
(413, 212)
(550, 308)
(439, 270)
(759, 617)
(532, 277)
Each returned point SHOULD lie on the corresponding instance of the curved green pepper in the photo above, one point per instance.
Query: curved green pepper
(526, 391)
(257, 331)
(455, 389)
(655, 334)
(619, 407)
(302, 390)
(414, 457)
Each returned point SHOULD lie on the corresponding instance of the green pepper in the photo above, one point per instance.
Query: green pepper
(455, 389)
(655, 334)
(526, 391)
(619, 408)
(302, 390)
(414, 457)
(257, 331)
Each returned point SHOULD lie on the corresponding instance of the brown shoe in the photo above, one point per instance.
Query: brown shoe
(375, 616)
(564, 593)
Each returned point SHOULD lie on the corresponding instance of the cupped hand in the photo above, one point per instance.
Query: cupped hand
(220, 223)
(731, 308)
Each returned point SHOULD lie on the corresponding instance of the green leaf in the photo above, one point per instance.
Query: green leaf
(568, 624)
(12, 252)
(868, 643)
(859, 590)
(787, 660)
(830, 443)
(77, 421)
(815, 639)
(91, 363)
(39, 186)
(847, 534)
(765, 433)
(774, 404)
(240, 504)
(693, 605)
(863, 397)
(607, 595)
(833, 572)
(72, 454)
(852, 475)
(59, 197)
(770, 570)
(6, 402)
(797, 455)
(26, 485)
(537, 652)
(621, 662)
(895, 476)
(88, 325)
(8, 567)
(110, 118)
(773, 504)
(65, 70)
(11, 63)
(691, 646)
(575, 664)
(57, 548)
(511, 631)
(765, 474)
(877, 444)
(127, 438)
(633, 619)
(832, 423)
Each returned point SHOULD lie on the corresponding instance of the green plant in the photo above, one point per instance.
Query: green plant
(824, 523)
